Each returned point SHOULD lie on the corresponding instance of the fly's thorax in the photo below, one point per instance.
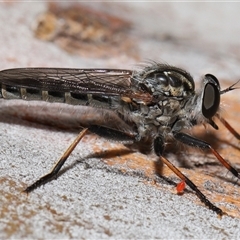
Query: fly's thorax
(165, 112)
(169, 88)
(163, 80)
(155, 119)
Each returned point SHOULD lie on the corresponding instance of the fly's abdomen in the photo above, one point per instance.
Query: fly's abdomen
(11, 92)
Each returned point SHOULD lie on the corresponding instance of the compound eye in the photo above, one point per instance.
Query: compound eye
(211, 97)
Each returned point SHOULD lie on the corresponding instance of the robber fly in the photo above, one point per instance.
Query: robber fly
(150, 107)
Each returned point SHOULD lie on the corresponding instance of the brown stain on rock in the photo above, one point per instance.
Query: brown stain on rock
(87, 32)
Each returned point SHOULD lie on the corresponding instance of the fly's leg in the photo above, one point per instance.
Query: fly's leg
(194, 142)
(99, 130)
(113, 134)
(229, 127)
(53, 173)
(200, 195)
(159, 147)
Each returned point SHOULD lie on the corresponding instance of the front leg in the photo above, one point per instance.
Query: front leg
(194, 142)
(159, 148)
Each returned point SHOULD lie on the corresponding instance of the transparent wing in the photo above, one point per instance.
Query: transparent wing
(97, 81)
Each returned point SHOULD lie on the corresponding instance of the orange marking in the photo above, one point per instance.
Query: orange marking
(180, 187)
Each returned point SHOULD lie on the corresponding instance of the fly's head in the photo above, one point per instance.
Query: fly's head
(210, 97)
(205, 105)
(201, 107)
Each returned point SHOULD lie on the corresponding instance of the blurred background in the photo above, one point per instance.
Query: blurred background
(198, 36)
